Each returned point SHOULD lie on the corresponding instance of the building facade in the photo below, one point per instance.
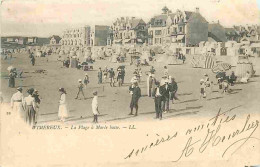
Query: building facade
(55, 40)
(99, 35)
(76, 37)
(182, 27)
(127, 30)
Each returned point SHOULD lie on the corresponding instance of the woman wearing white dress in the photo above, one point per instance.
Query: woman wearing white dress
(63, 111)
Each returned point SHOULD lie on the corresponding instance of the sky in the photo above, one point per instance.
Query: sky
(48, 17)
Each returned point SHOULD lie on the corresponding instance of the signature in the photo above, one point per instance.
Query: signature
(212, 138)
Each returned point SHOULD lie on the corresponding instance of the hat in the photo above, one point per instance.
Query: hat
(35, 90)
(165, 76)
(206, 75)
(20, 88)
(86, 74)
(80, 80)
(61, 89)
(95, 93)
(30, 91)
(202, 80)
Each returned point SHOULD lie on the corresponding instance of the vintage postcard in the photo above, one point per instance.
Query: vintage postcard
(109, 83)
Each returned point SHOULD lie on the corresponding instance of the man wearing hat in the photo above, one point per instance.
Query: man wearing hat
(17, 102)
(80, 87)
(111, 77)
(135, 91)
(165, 95)
(100, 76)
(30, 106)
(158, 100)
(173, 89)
(119, 77)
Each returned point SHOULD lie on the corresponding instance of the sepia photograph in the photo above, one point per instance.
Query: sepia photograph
(130, 83)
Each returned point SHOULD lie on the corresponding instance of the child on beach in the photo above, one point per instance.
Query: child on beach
(95, 107)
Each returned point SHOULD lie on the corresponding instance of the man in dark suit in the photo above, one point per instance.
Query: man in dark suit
(165, 96)
(135, 91)
(158, 100)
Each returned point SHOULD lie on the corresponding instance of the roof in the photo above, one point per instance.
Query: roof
(135, 22)
(230, 31)
(192, 15)
(56, 37)
(161, 19)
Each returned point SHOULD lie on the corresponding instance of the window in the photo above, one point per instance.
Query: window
(181, 29)
(158, 32)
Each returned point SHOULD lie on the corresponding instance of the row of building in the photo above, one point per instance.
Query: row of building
(185, 28)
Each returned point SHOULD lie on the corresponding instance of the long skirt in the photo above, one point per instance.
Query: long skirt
(11, 82)
(18, 110)
(63, 111)
(30, 115)
(134, 103)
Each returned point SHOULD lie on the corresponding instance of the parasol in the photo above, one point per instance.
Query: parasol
(221, 67)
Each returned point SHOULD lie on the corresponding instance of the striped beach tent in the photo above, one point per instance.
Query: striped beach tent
(209, 62)
(243, 68)
(221, 67)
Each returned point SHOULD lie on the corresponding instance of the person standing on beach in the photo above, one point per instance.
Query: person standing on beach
(80, 89)
(17, 102)
(100, 76)
(63, 110)
(86, 80)
(112, 77)
(37, 102)
(11, 81)
(95, 107)
(158, 100)
(135, 91)
(30, 106)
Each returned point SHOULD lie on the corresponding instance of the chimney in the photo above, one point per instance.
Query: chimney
(197, 10)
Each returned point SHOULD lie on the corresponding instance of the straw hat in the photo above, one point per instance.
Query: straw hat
(80, 80)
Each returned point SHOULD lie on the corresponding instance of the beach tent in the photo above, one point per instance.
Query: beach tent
(244, 66)
(203, 61)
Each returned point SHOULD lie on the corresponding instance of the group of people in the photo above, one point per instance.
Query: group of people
(162, 91)
(26, 108)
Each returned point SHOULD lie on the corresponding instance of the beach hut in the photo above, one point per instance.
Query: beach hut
(244, 66)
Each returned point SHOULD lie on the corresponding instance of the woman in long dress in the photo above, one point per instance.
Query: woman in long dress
(63, 110)
(11, 81)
